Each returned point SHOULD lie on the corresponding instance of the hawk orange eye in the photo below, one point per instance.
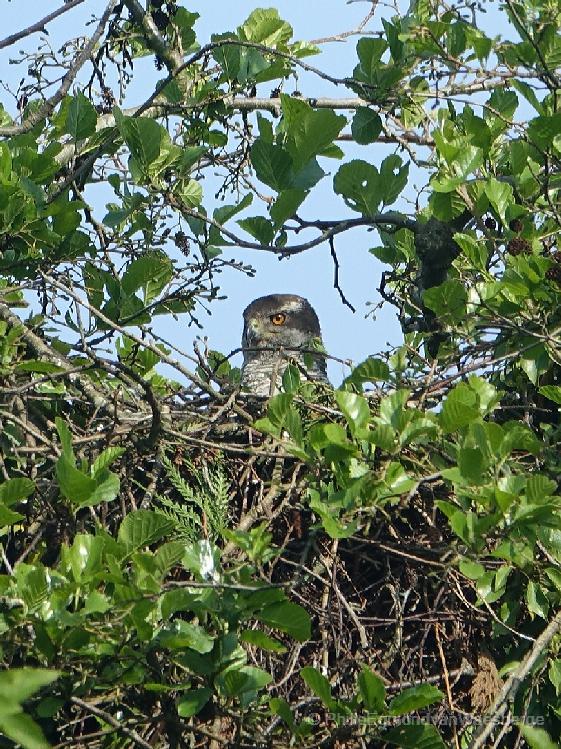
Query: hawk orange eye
(278, 319)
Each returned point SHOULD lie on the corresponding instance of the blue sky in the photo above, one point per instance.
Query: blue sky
(346, 335)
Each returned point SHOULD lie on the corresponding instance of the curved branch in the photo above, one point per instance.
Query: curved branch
(329, 228)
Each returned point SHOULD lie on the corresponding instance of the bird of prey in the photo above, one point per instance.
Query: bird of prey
(279, 329)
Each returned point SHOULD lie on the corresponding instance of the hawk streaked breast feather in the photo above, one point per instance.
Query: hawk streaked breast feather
(278, 329)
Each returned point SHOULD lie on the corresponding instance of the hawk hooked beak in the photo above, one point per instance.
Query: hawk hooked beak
(251, 330)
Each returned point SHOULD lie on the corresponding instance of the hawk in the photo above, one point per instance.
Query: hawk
(278, 329)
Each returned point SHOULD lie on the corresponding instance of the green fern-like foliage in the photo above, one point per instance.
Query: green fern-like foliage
(203, 509)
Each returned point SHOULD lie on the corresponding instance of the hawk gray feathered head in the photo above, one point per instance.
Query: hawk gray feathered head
(279, 328)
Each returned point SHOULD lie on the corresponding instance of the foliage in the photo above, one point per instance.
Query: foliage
(207, 504)
(364, 565)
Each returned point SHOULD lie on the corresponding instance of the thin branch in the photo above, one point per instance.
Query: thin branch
(391, 218)
(43, 350)
(336, 283)
(49, 105)
(344, 35)
(40, 25)
(108, 718)
(115, 326)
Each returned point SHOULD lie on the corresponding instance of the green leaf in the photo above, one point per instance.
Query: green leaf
(272, 164)
(542, 130)
(168, 555)
(393, 178)
(539, 488)
(286, 205)
(191, 192)
(74, 485)
(323, 435)
(369, 53)
(81, 117)
(366, 125)
(240, 681)
(107, 487)
(554, 673)
(65, 437)
(370, 370)
(264, 26)
(537, 738)
(259, 228)
(183, 634)
(143, 527)
(256, 678)
(143, 136)
(107, 458)
(85, 555)
(318, 684)
(472, 464)
(448, 300)
(460, 408)
(360, 185)
(414, 698)
(184, 21)
(15, 490)
(551, 392)
(291, 379)
(414, 736)
(537, 600)
(372, 691)
(278, 408)
(500, 196)
(281, 708)
(288, 617)
(261, 640)
(529, 94)
(152, 272)
(225, 212)
(18, 684)
(38, 366)
(308, 131)
(193, 701)
(473, 249)
(9, 517)
(473, 570)
(354, 407)
(22, 730)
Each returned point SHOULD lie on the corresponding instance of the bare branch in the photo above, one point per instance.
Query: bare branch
(344, 35)
(49, 105)
(108, 718)
(40, 25)
(328, 228)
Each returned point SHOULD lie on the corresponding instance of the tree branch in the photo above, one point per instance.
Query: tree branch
(40, 25)
(108, 718)
(170, 57)
(329, 228)
(129, 334)
(513, 684)
(43, 350)
(48, 106)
